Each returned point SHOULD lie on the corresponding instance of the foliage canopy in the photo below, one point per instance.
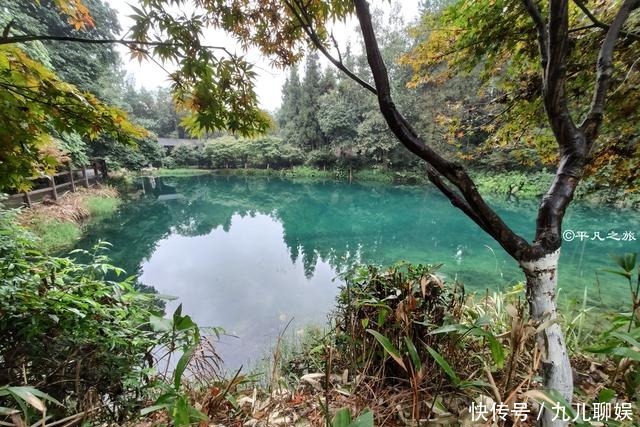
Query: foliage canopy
(496, 41)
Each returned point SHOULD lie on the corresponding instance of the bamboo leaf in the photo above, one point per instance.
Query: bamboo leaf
(8, 411)
(181, 366)
(364, 420)
(413, 354)
(27, 396)
(389, 347)
(444, 365)
(153, 408)
(342, 418)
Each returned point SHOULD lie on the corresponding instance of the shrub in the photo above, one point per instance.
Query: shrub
(404, 302)
(146, 152)
(187, 155)
(68, 328)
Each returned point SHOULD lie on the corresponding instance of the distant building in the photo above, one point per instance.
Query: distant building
(170, 143)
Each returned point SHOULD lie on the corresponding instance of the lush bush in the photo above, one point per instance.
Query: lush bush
(266, 152)
(146, 152)
(405, 302)
(75, 148)
(226, 152)
(518, 184)
(75, 330)
(184, 155)
(323, 158)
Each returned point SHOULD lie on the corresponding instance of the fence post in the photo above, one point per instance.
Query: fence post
(103, 165)
(27, 199)
(85, 177)
(73, 183)
(53, 187)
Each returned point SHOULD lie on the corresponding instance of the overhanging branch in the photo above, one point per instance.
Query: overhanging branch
(129, 43)
(598, 23)
(306, 24)
(591, 124)
(466, 196)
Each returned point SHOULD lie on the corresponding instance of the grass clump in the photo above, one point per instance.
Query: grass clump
(411, 346)
(55, 235)
(180, 172)
(59, 224)
(100, 206)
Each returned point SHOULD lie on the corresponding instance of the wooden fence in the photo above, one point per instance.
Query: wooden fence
(54, 186)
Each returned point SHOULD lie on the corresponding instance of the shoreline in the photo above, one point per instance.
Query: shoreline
(517, 185)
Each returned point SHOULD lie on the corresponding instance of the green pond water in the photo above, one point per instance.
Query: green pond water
(250, 254)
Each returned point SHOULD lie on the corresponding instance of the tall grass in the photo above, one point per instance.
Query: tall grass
(55, 235)
(59, 225)
(102, 206)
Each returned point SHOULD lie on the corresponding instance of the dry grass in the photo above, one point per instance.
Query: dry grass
(58, 223)
(72, 207)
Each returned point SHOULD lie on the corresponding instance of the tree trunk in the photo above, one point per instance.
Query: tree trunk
(542, 280)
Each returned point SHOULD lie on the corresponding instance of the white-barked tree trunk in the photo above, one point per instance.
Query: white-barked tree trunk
(542, 287)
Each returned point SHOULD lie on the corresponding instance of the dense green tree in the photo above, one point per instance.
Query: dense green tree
(184, 155)
(289, 113)
(225, 152)
(89, 67)
(505, 64)
(309, 134)
(144, 153)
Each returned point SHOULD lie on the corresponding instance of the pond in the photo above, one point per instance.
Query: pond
(250, 254)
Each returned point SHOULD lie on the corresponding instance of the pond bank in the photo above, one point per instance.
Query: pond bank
(512, 184)
(59, 224)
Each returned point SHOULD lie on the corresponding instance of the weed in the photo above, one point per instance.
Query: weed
(59, 225)
(621, 342)
(102, 206)
(55, 235)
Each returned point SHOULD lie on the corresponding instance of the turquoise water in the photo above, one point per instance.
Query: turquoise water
(249, 254)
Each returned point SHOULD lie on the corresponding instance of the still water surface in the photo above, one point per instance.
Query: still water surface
(249, 254)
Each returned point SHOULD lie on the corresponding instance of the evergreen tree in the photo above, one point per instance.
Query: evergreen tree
(310, 134)
(288, 116)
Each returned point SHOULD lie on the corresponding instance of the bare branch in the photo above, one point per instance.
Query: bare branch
(541, 29)
(336, 47)
(307, 26)
(468, 199)
(591, 124)
(455, 198)
(7, 28)
(129, 43)
(598, 23)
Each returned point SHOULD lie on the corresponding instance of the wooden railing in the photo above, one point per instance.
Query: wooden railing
(61, 183)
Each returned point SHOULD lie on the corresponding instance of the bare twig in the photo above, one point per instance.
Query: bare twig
(591, 124)
(598, 23)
